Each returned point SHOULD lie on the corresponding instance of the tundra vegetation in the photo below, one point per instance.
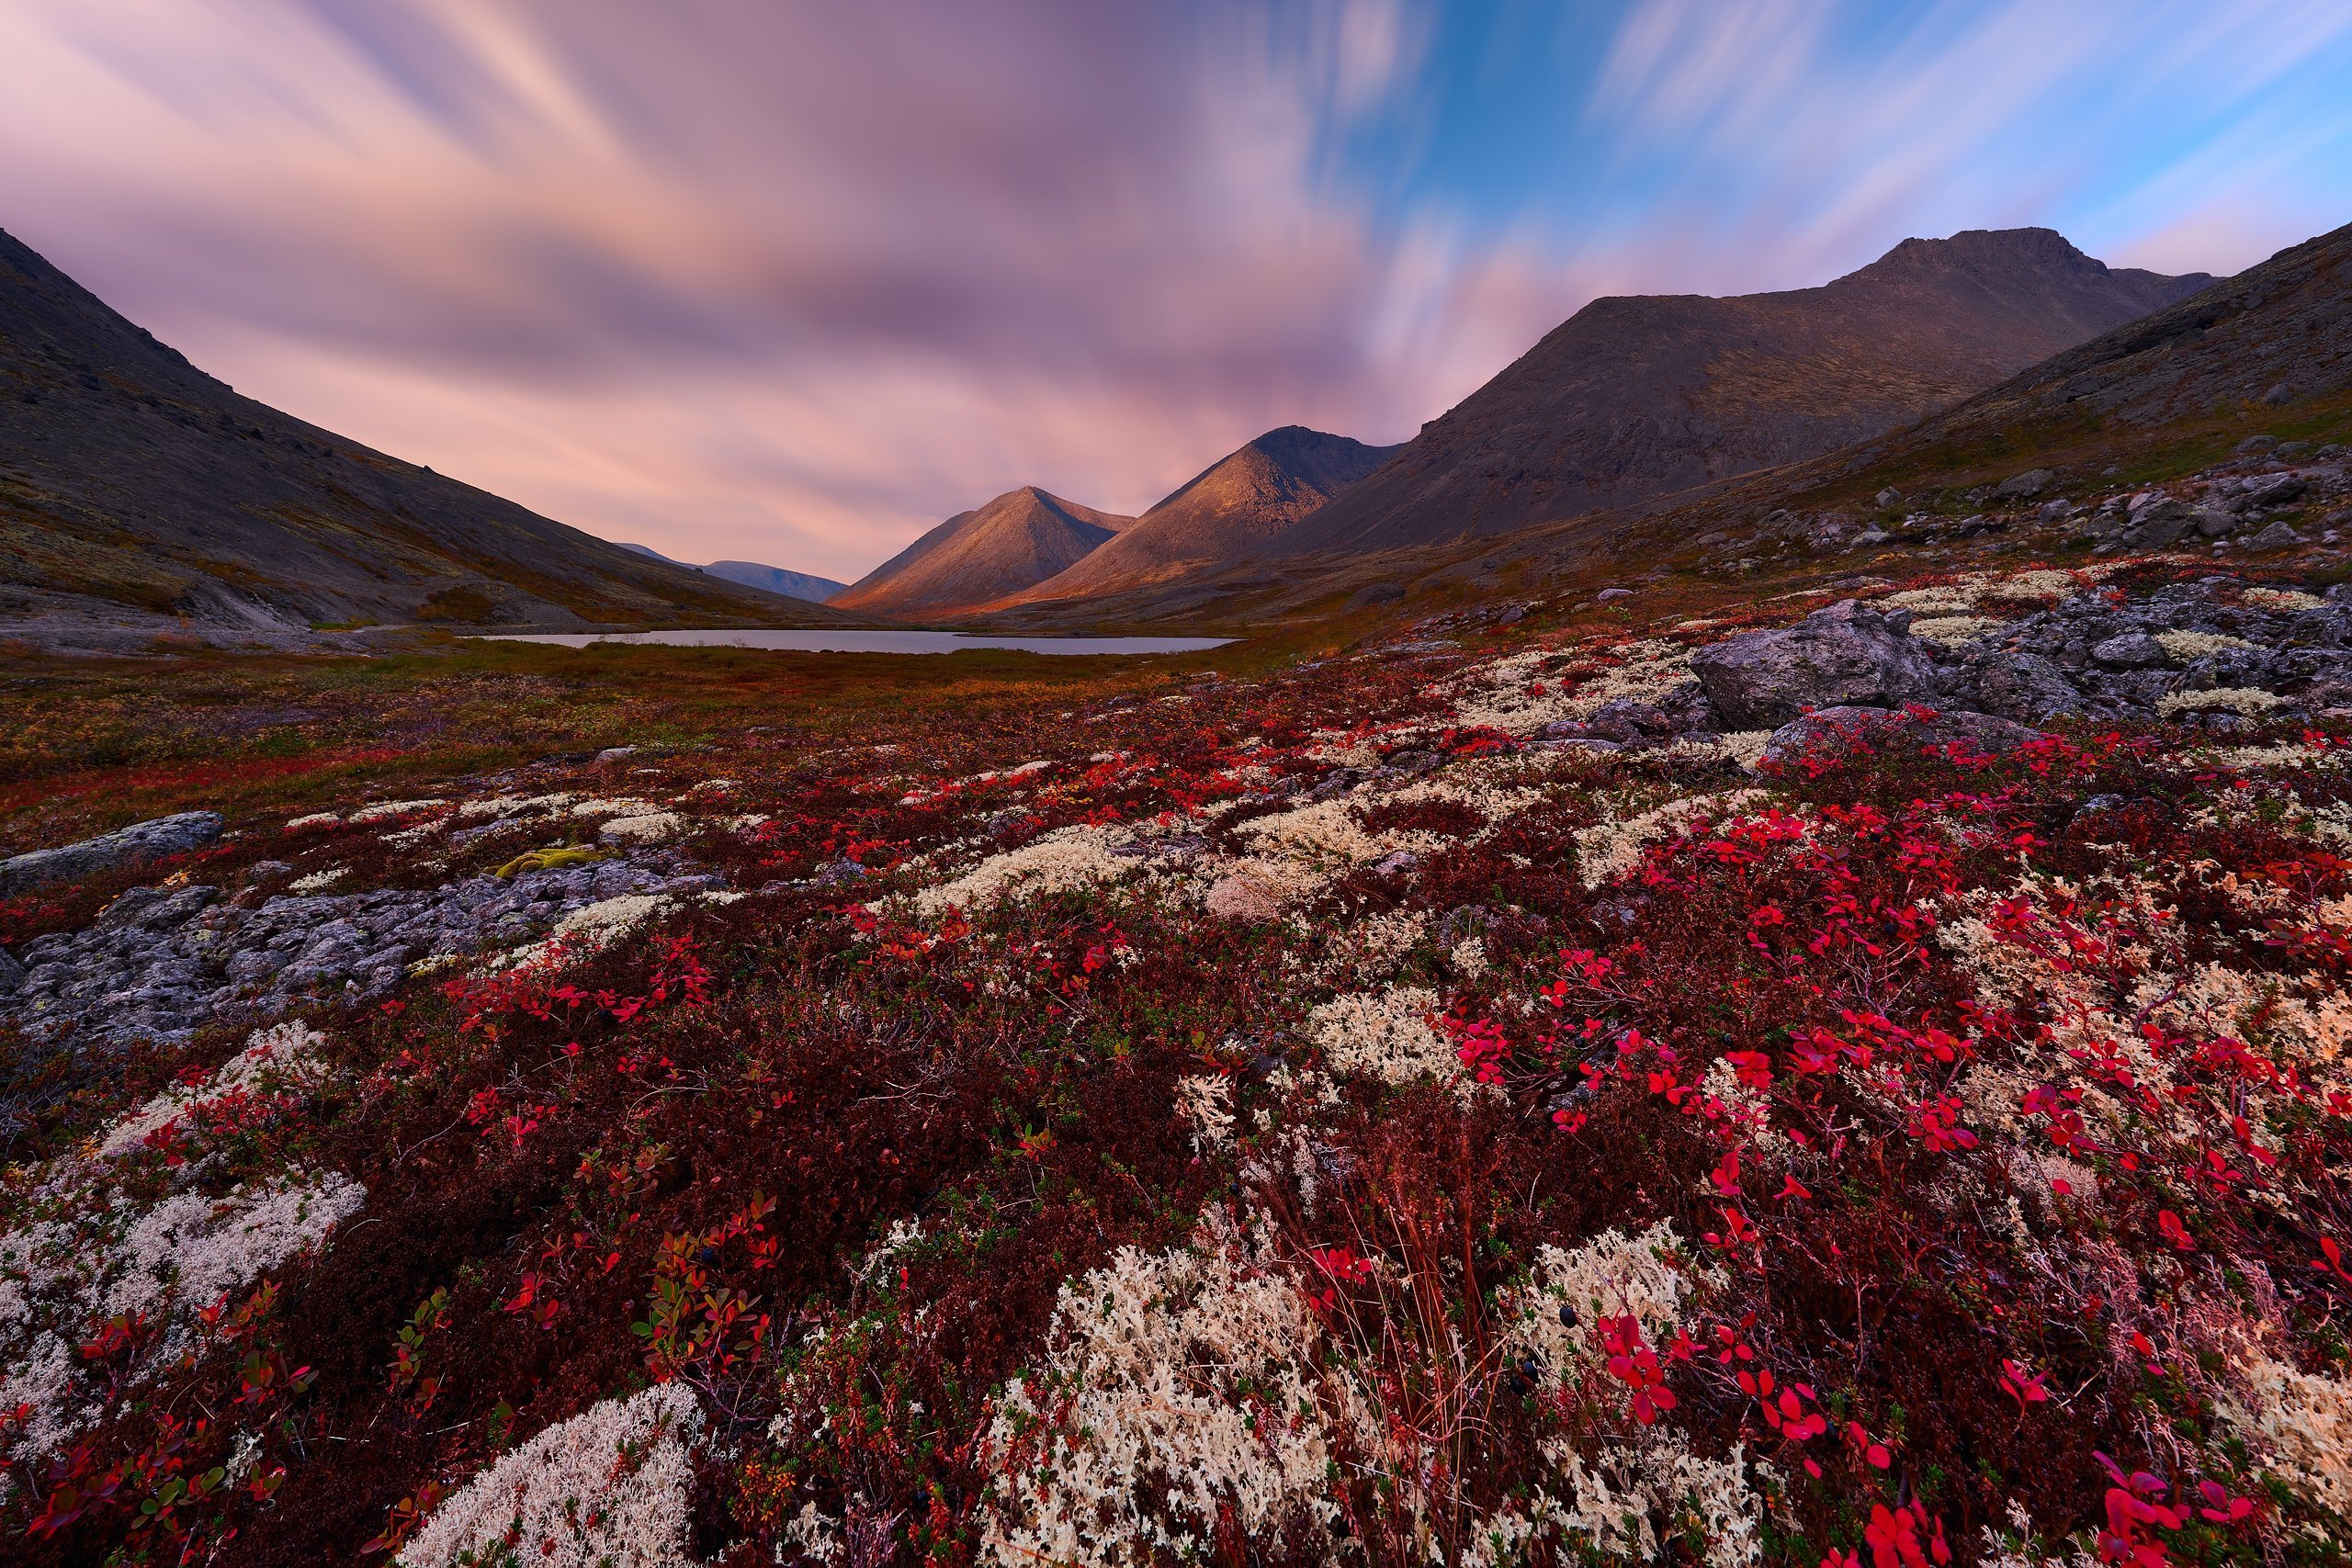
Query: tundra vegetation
(1433, 1098)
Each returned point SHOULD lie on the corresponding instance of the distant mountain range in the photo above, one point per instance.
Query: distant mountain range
(1642, 396)
(980, 558)
(1629, 400)
(128, 479)
(751, 574)
(1235, 505)
(134, 485)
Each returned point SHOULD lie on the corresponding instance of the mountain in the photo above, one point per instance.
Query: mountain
(1230, 507)
(977, 557)
(751, 574)
(133, 486)
(1642, 396)
(2272, 344)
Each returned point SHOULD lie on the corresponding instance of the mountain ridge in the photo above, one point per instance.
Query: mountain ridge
(1642, 395)
(777, 579)
(1229, 507)
(134, 485)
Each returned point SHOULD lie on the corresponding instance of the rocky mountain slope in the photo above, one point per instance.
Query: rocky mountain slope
(1637, 397)
(978, 557)
(133, 486)
(755, 574)
(1237, 503)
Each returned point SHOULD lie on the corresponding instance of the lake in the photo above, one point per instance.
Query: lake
(874, 641)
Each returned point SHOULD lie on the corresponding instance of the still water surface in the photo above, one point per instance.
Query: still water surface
(875, 641)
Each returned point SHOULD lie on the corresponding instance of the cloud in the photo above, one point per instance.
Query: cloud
(737, 278)
(792, 281)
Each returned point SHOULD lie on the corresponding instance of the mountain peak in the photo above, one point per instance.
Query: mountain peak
(1642, 396)
(1230, 507)
(998, 549)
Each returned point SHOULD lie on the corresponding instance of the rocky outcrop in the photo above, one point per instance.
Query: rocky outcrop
(135, 845)
(1850, 654)
(161, 962)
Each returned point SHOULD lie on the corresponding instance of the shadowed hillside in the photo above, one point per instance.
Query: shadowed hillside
(131, 480)
(1637, 397)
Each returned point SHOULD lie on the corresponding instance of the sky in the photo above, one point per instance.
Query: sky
(791, 280)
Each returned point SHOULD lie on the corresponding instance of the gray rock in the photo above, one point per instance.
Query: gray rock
(159, 962)
(2017, 487)
(1888, 496)
(2275, 490)
(2254, 445)
(2277, 537)
(1832, 732)
(134, 845)
(2027, 688)
(1849, 654)
(1627, 722)
(12, 973)
(1608, 594)
(2159, 524)
(2055, 510)
(2131, 651)
(1871, 537)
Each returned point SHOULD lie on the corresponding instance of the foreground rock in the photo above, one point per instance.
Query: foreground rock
(1850, 654)
(159, 963)
(135, 845)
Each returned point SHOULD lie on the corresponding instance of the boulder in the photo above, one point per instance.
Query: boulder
(2027, 688)
(2159, 525)
(1849, 654)
(134, 845)
(1833, 732)
(2033, 482)
(1628, 722)
(2275, 490)
(2277, 537)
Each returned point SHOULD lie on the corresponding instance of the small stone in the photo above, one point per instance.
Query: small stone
(616, 753)
(1887, 497)
(1608, 594)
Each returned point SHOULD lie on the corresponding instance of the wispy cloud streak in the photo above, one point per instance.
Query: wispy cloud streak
(790, 281)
